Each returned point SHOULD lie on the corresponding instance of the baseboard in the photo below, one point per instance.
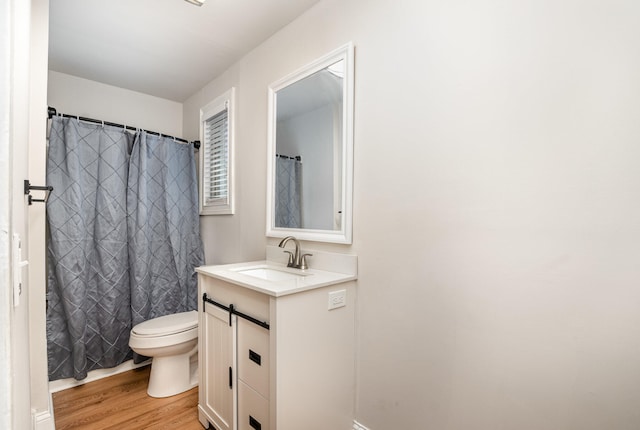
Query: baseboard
(358, 426)
(44, 420)
(94, 375)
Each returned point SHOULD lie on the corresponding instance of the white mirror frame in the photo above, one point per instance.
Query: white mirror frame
(344, 235)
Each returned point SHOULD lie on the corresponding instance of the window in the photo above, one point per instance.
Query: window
(216, 156)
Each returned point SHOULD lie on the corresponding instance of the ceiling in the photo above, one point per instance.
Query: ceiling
(165, 48)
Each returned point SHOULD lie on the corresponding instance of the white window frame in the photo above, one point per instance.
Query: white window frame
(223, 206)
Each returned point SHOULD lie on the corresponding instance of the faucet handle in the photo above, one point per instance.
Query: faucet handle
(303, 261)
(290, 263)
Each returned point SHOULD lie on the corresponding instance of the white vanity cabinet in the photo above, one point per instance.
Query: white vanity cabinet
(274, 359)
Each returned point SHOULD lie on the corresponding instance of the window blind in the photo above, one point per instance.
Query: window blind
(216, 159)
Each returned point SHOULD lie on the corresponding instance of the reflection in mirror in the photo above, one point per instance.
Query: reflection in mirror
(310, 150)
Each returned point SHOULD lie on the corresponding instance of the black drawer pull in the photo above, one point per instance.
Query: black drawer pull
(255, 357)
(254, 423)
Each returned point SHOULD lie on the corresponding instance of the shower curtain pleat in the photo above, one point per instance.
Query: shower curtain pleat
(123, 240)
(88, 314)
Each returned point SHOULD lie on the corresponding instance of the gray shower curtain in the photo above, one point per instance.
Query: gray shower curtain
(88, 292)
(123, 240)
(288, 205)
(164, 239)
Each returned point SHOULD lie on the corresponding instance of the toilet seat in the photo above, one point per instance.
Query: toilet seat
(166, 331)
(167, 325)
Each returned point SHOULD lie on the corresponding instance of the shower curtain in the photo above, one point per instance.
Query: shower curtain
(164, 232)
(288, 205)
(88, 292)
(94, 219)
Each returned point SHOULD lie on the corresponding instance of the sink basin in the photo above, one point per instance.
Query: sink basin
(270, 273)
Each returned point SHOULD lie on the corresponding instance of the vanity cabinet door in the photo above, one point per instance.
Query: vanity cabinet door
(217, 378)
(253, 356)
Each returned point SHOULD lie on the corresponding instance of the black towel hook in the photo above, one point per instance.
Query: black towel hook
(27, 191)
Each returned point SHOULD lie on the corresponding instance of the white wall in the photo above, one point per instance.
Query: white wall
(233, 238)
(15, 140)
(496, 153)
(77, 96)
(6, 64)
(40, 398)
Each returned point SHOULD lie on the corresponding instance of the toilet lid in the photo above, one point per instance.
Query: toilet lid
(167, 324)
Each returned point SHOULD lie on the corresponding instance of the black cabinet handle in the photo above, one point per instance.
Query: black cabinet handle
(254, 423)
(230, 377)
(255, 357)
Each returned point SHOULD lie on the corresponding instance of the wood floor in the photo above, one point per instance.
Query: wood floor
(121, 402)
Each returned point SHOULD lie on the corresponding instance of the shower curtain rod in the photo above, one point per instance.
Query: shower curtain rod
(51, 112)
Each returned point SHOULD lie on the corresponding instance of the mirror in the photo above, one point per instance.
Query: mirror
(310, 172)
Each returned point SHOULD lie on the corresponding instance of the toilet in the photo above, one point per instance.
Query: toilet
(172, 343)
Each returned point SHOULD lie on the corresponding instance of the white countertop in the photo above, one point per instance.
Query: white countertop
(302, 281)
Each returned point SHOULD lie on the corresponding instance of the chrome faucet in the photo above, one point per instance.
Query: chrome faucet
(296, 260)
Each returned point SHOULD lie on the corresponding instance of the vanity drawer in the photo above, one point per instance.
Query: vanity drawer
(253, 409)
(253, 356)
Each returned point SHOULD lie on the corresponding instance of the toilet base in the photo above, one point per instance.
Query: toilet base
(172, 375)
